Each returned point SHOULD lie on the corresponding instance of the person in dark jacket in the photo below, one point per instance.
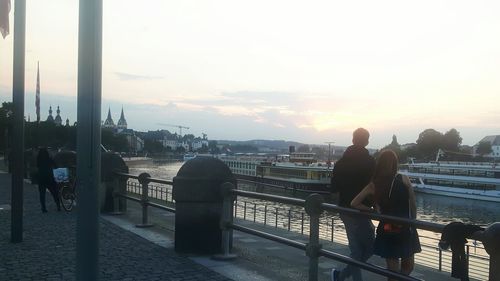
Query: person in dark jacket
(350, 175)
(46, 180)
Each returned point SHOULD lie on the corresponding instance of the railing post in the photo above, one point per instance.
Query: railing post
(225, 222)
(144, 181)
(440, 261)
(313, 209)
(235, 207)
(276, 217)
(289, 218)
(254, 211)
(491, 244)
(265, 214)
(245, 210)
(302, 223)
(333, 227)
(116, 196)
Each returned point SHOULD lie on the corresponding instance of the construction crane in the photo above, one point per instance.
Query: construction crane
(178, 126)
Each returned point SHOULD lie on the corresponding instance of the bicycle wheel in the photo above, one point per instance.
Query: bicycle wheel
(67, 197)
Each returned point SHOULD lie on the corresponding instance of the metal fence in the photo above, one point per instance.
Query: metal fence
(288, 213)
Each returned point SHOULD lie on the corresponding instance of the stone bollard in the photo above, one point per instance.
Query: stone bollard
(110, 163)
(313, 209)
(199, 205)
(491, 241)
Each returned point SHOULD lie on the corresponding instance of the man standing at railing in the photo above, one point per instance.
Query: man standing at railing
(350, 175)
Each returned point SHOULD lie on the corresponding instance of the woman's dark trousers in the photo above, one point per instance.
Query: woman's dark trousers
(55, 195)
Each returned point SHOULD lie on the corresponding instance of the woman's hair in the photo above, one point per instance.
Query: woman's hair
(385, 171)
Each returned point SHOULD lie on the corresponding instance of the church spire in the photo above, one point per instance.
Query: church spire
(50, 118)
(109, 123)
(122, 123)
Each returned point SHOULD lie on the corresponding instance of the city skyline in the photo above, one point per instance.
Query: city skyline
(309, 72)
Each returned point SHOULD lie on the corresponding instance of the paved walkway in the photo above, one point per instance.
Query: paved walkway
(48, 249)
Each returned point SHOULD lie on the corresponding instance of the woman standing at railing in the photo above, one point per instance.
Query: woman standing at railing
(393, 195)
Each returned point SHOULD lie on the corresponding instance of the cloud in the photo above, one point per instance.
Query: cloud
(128, 76)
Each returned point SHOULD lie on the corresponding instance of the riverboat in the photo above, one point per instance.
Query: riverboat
(471, 180)
(279, 171)
(189, 156)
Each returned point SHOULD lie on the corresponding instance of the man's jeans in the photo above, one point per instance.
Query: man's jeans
(361, 235)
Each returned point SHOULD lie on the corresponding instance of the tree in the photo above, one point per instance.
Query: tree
(212, 147)
(484, 148)
(394, 142)
(452, 140)
(152, 146)
(428, 143)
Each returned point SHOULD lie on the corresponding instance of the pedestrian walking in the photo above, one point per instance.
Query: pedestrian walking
(46, 180)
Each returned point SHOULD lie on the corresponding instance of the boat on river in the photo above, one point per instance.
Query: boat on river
(295, 172)
(472, 180)
(188, 156)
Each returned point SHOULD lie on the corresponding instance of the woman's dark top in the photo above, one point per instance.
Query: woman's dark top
(45, 174)
(396, 241)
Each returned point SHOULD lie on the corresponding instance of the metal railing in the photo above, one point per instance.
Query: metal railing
(309, 224)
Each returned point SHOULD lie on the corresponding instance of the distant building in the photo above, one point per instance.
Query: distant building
(58, 119)
(135, 143)
(110, 124)
(198, 143)
(50, 118)
(494, 140)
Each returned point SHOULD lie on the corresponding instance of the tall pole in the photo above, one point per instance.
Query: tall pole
(329, 153)
(88, 138)
(17, 154)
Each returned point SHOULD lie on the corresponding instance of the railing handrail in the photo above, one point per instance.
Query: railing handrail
(155, 180)
(430, 226)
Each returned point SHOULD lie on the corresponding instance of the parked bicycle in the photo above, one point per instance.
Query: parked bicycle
(66, 183)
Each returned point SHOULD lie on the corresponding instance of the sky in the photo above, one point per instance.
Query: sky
(309, 71)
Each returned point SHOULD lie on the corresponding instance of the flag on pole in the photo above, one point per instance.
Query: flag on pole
(37, 99)
(4, 17)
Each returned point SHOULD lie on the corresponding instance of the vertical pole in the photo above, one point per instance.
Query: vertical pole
(17, 154)
(302, 223)
(313, 209)
(245, 210)
(276, 218)
(289, 218)
(254, 211)
(88, 138)
(265, 214)
(333, 227)
(440, 262)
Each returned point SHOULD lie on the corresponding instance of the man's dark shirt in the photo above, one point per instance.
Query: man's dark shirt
(352, 173)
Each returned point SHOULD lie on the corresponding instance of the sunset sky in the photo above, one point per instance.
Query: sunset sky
(309, 71)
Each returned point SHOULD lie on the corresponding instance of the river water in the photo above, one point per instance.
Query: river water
(433, 208)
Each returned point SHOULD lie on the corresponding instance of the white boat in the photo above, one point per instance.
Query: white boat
(276, 170)
(189, 156)
(472, 180)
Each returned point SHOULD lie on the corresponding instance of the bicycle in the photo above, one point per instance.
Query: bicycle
(66, 183)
